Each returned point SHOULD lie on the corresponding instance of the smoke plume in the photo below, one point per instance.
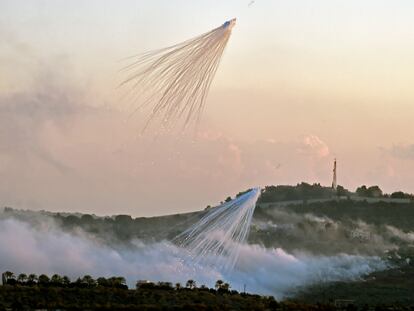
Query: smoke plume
(47, 249)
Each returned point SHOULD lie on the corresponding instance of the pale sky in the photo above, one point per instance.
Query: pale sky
(301, 82)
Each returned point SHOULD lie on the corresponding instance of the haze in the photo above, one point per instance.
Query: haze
(301, 82)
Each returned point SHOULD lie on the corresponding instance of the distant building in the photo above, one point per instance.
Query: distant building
(144, 283)
(361, 235)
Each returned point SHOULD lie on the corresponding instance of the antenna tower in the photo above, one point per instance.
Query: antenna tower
(334, 184)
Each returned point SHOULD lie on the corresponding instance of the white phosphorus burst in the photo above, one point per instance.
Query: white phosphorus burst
(216, 238)
(175, 80)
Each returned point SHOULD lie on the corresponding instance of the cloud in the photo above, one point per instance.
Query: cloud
(313, 145)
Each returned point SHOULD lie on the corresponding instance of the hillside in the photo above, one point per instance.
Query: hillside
(302, 217)
(390, 287)
(313, 225)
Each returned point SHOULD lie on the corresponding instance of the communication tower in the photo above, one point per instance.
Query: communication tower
(334, 184)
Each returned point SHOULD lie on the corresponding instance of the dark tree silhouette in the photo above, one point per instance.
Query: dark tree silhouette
(22, 278)
(102, 282)
(56, 280)
(226, 286)
(219, 284)
(43, 280)
(88, 281)
(32, 279)
(9, 278)
(191, 284)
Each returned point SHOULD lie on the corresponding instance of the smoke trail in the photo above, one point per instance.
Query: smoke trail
(175, 80)
(216, 238)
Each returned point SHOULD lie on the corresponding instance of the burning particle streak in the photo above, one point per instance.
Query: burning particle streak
(216, 238)
(175, 80)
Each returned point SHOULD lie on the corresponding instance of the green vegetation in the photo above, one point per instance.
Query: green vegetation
(302, 191)
(389, 287)
(124, 228)
(335, 226)
(378, 213)
(376, 290)
(305, 191)
(401, 195)
(320, 222)
(87, 293)
(370, 192)
(56, 280)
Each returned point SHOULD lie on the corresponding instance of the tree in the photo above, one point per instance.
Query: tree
(191, 284)
(226, 286)
(117, 281)
(88, 281)
(302, 191)
(102, 282)
(120, 281)
(371, 192)
(375, 192)
(43, 280)
(22, 278)
(361, 191)
(177, 286)
(400, 195)
(32, 279)
(9, 275)
(165, 285)
(341, 191)
(123, 219)
(87, 219)
(65, 281)
(8, 278)
(56, 280)
(221, 286)
(71, 220)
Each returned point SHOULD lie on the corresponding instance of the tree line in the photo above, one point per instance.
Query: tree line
(87, 281)
(56, 280)
(220, 286)
(305, 191)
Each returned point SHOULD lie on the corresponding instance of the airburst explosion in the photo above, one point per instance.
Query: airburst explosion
(175, 80)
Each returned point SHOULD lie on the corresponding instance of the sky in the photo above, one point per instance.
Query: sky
(301, 83)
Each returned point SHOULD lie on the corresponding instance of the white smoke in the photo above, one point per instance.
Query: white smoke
(47, 249)
(404, 236)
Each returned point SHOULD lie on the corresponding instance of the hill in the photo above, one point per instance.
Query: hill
(313, 221)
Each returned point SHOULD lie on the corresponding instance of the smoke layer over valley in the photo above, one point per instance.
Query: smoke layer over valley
(41, 244)
(323, 235)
